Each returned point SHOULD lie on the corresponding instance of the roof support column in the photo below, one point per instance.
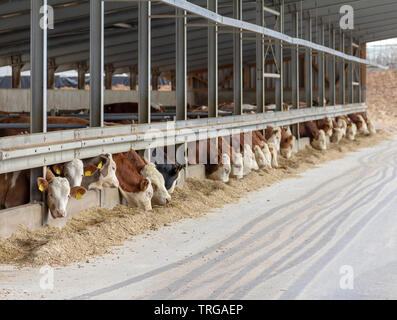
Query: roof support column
(238, 60)
(363, 74)
(280, 61)
(212, 63)
(295, 70)
(350, 74)
(260, 58)
(342, 92)
(332, 70)
(96, 62)
(308, 65)
(38, 87)
(321, 69)
(144, 57)
(181, 65)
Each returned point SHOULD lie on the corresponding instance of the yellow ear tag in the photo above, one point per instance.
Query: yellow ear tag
(58, 172)
(100, 165)
(78, 196)
(41, 188)
(87, 173)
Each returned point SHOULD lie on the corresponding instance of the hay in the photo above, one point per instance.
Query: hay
(96, 231)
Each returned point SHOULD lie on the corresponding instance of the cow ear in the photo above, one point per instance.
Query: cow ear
(58, 169)
(77, 192)
(90, 169)
(42, 184)
(144, 184)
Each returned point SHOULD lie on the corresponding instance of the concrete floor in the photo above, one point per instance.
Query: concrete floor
(293, 240)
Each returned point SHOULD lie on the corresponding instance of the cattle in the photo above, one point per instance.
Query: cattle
(359, 121)
(326, 125)
(258, 147)
(370, 125)
(58, 192)
(287, 143)
(317, 137)
(73, 171)
(236, 158)
(135, 189)
(269, 150)
(244, 142)
(337, 132)
(149, 171)
(351, 128)
(14, 189)
(130, 107)
(273, 136)
(217, 161)
(171, 172)
(100, 172)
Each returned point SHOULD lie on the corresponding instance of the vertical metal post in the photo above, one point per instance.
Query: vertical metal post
(321, 68)
(342, 93)
(260, 58)
(181, 65)
(363, 74)
(238, 60)
(96, 62)
(144, 57)
(212, 63)
(81, 71)
(38, 86)
(295, 62)
(350, 91)
(332, 70)
(16, 71)
(109, 70)
(133, 73)
(279, 92)
(308, 65)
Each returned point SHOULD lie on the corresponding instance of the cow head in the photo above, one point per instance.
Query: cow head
(351, 131)
(72, 170)
(237, 165)
(249, 162)
(160, 193)
(286, 146)
(105, 169)
(141, 199)
(224, 169)
(320, 142)
(371, 127)
(58, 193)
(337, 135)
(260, 157)
(274, 153)
(342, 124)
(362, 127)
(268, 155)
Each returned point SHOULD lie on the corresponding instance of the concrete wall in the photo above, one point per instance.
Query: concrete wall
(18, 100)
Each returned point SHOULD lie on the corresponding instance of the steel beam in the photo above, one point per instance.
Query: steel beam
(308, 65)
(96, 62)
(144, 60)
(295, 71)
(212, 63)
(260, 58)
(321, 69)
(350, 74)
(38, 86)
(181, 65)
(342, 92)
(332, 69)
(238, 61)
(279, 90)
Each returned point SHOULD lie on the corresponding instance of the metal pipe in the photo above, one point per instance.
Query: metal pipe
(181, 65)
(260, 58)
(308, 65)
(332, 71)
(212, 63)
(321, 69)
(342, 92)
(279, 90)
(237, 61)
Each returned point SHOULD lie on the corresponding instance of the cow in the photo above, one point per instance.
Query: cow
(14, 189)
(273, 136)
(269, 150)
(216, 160)
(258, 147)
(149, 171)
(244, 142)
(236, 158)
(370, 125)
(359, 121)
(100, 172)
(317, 137)
(135, 189)
(287, 143)
(351, 128)
(326, 125)
(338, 132)
(73, 171)
(58, 192)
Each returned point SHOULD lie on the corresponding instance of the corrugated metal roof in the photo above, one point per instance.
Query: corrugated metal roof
(68, 42)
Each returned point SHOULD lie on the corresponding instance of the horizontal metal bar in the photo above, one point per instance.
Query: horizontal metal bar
(37, 150)
(272, 75)
(272, 11)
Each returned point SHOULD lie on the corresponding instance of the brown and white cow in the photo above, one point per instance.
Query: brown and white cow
(236, 158)
(148, 170)
(317, 137)
(130, 107)
(100, 172)
(370, 125)
(216, 160)
(269, 150)
(359, 121)
(326, 125)
(338, 132)
(351, 128)
(58, 192)
(259, 149)
(135, 189)
(287, 143)
(273, 136)
(14, 189)
(244, 142)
